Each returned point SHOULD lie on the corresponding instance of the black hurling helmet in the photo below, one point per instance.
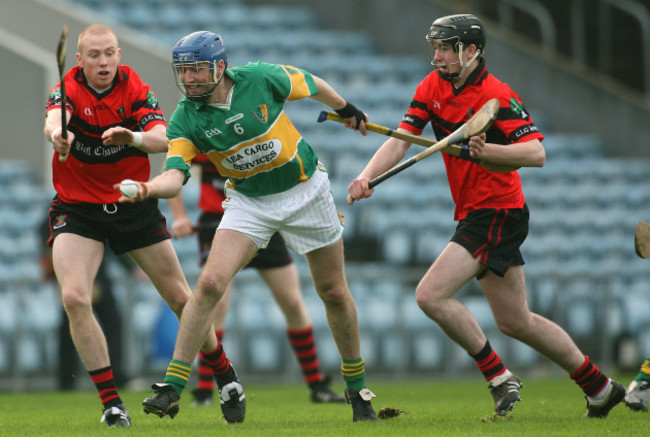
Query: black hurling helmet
(460, 31)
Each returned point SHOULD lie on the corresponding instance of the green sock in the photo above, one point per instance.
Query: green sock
(178, 373)
(644, 373)
(354, 373)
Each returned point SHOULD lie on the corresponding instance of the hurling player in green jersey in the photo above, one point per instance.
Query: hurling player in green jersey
(638, 392)
(235, 116)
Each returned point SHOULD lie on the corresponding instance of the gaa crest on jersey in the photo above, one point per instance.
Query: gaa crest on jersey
(59, 221)
(518, 108)
(56, 93)
(290, 70)
(262, 113)
(152, 99)
(469, 114)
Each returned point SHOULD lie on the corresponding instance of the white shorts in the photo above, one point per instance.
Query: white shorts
(304, 215)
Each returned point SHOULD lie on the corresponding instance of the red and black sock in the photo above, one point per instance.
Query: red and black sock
(304, 346)
(106, 387)
(590, 379)
(205, 374)
(204, 371)
(489, 362)
(220, 365)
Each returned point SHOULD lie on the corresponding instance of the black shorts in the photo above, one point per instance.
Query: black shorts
(494, 236)
(123, 226)
(274, 255)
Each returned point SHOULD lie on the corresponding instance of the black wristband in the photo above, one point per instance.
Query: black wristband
(349, 111)
(464, 154)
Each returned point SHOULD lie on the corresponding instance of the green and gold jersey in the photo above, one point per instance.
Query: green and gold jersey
(249, 139)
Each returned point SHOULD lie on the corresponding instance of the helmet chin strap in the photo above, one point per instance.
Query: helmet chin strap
(216, 80)
(463, 66)
(216, 69)
(452, 77)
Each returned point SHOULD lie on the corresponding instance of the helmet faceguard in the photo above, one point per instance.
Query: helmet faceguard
(198, 51)
(460, 31)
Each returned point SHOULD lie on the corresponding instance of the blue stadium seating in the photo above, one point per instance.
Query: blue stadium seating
(579, 252)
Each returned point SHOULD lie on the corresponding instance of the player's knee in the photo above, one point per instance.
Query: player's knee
(177, 303)
(508, 329)
(426, 298)
(511, 326)
(292, 305)
(76, 302)
(211, 286)
(336, 294)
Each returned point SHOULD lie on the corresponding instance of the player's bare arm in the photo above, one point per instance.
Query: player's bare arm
(181, 224)
(525, 154)
(328, 96)
(389, 154)
(52, 132)
(164, 186)
(152, 141)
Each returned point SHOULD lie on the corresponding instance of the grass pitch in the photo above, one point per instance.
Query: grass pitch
(550, 407)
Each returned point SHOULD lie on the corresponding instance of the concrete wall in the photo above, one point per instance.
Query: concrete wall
(29, 70)
(24, 88)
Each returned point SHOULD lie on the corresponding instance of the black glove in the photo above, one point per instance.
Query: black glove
(349, 111)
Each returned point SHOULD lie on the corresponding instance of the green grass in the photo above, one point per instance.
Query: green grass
(550, 407)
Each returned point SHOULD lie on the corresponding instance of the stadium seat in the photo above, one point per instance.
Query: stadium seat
(521, 355)
(428, 245)
(263, 349)
(269, 18)
(140, 16)
(584, 206)
(427, 350)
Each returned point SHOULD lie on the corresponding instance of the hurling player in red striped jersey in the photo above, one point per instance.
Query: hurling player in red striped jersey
(114, 121)
(491, 212)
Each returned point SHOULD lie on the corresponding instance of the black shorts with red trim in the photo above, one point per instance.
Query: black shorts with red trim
(273, 256)
(494, 236)
(123, 226)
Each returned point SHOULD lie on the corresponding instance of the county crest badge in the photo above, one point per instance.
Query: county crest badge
(59, 221)
(262, 113)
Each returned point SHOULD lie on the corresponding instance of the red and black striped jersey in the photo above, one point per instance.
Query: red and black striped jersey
(447, 108)
(91, 170)
(212, 185)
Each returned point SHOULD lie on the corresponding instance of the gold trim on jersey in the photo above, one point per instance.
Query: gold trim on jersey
(303, 175)
(274, 148)
(182, 147)
(299, 87)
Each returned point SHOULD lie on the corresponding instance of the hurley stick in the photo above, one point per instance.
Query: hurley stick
(642, 239)
(60, 57)
(452, 149)
(479, 123)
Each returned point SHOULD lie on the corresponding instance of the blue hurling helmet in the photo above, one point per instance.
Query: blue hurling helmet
(199, 50)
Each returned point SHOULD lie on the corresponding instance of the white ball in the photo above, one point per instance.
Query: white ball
(129, 188)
